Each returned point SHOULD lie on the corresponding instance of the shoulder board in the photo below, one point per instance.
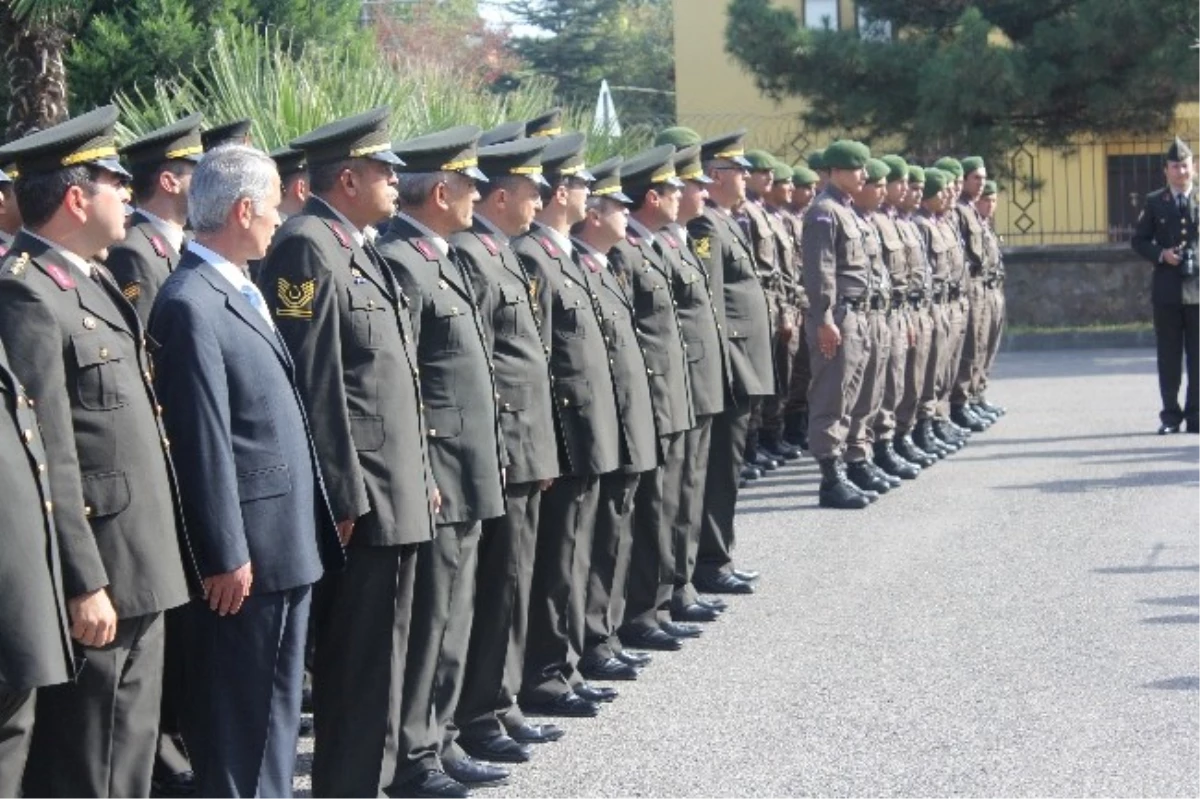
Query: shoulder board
(3, 250)
(489, 242)
(633, 238)
(670, 240)
(425, 248)
(61, 277)
(157, 244)
(338, 234)
(548, 246)
(590, 262)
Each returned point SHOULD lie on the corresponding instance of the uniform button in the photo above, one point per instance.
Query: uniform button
(685, 345)
(432, 431)
(87, 511)
(649, 371)
(370, 304)
(454, 309)
(497, 396)
(89, 323)
(566, 402)
(104, 353)
(158, 410)
(49, 506)
(147, 376)
(41, 468)
(610, 361)
(547, 349)
(27, 435)
(508, 406)
(30, 401)
(21, 401)
(166, 442)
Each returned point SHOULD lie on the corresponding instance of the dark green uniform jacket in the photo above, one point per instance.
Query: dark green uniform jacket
(141, 263)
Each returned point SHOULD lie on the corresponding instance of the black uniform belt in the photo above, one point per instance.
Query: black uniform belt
(954, 292)
(879, 302)
(916, 299)
(990, 282)
(853, 303)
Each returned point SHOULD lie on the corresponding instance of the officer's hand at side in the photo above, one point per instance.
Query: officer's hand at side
(345, 529)
(543, 485)
(828, 339)
(226, 592)
(93, 618)
(437, 500)
(1171, 257)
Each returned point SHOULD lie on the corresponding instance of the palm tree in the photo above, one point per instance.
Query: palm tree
(33, 36)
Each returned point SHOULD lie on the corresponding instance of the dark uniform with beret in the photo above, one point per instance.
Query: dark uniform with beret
(346, 324)
(78, 348)
(35, 641)
(465, 449)
(518, 329)
(143, 260)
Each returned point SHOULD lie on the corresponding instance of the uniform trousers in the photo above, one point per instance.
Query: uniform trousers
(801, 370)
(774, 407)
(860, 436)
(956, 328)
(1175, 336)
(612, 552)
(97, 736)
(995, 335)
(976, 322)
(496, 654)
(245, 675)
(939, 332)
(920, 322)
(361, 633)
(16, 731)
(171, 758)
(689, 514)
(439, 635)
(899, 332)
(836, 382)
(726, 455)
(652, 566)
(558, 594)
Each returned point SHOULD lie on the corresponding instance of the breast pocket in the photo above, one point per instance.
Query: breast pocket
(447, 318)
(100, 385)
(569, 319)
(653, 297)
(691, 287)
(513, 303)
(368, 317)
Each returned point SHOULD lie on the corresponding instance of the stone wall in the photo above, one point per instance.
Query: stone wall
(1076, 286)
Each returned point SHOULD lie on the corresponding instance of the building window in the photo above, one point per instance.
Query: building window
(874, 30)
(821, 14)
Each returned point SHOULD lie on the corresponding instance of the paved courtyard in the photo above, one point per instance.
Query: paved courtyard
(1022, 620)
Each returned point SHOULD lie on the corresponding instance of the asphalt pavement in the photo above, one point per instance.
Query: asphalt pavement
(1021, 620)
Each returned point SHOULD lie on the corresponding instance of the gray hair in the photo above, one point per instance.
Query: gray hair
(415, 187)
(225, 175)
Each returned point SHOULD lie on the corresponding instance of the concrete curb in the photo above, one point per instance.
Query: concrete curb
(1078, 340)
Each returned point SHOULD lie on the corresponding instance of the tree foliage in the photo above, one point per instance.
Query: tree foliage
(581, 42)
(969, 77)
(451, 35)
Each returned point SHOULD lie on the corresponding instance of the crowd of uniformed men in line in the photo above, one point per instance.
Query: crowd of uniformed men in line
(473, 426)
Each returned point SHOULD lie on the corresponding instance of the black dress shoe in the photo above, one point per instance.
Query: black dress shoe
(607, 669)
(306, 705)
(1166, 428)
(714, 602)
(722, 583)
(569, 704)
(536, 733)
(636, 659)
(432, 784)
(694, 612)
(645, 638)
(306, 725)
(595, 693)
(679, 629)
(174, 785)
(750, 472)
(745, 575)
(496, 748)
(470, 771)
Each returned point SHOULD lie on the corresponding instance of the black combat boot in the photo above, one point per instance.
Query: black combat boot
(907, 449)
(924, 438)
(756, 457)
(773, 445)
(983, 413)
(998, 410)
(836, 491)
(887, 459)
(964, 418)
(861, 474)
(944, 432)
(795, 429)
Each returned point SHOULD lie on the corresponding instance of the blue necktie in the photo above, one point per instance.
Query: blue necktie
(252, 295)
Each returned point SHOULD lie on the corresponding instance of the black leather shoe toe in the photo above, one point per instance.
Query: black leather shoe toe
(714, 602)
(644, 638)
(694, 612)
(746, 575)
(606, 669)
(679, 629)
(636, 659)
(435, 784)
(536, 733)
(1166, 429)
(497, 748)
(470, 771)
(569, 704)
(595, 693)
(722, 583)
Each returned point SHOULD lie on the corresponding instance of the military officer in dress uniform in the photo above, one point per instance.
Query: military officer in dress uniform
(161, 163)
(504, 133)
(747, 326)
(437, 199)
(10, 214)
(488, 723)
(994, 284)
(837, 277)
(78, 348)
(547, 124)
(1166, 236)
(795, 415)
(346, 324)
(643, 269)
(708, 377)
(234, 132)
(293, 172)
(588, 431)
(603, 226)
(35, 635)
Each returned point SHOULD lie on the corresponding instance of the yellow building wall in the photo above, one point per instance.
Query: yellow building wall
(1056, 197)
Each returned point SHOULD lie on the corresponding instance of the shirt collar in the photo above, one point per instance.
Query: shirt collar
(355, 233)
(82, 264)
(171, 231)
(592, 251)
(495, 231)
(565, 244)
(234, 274)
(439, 242)
(641, 230)
(679, 230)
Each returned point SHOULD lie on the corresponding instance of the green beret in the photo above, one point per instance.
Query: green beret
(877, 170)
(916, 174)
(814, 159)
(935, 180)
(951, 165)
(760, 160)
(803, 176)
(972, 163)
(782, 173)
(845, 154)
(679, 137)
(989, 188)
(897, 168)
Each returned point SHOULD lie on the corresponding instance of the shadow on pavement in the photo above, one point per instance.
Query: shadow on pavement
(1179, 618)
(1148, 569)
(1184, 454)
(1134, 480)
(1175, 684)
(1184, 601)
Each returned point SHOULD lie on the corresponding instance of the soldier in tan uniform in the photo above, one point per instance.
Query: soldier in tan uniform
(993, 282)
(837, 278)
(957, 304)
(795, 413)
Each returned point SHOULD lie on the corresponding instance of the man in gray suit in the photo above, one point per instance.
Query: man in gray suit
(78, 348)
(437, 198)
(35, 638)
(253, 500)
